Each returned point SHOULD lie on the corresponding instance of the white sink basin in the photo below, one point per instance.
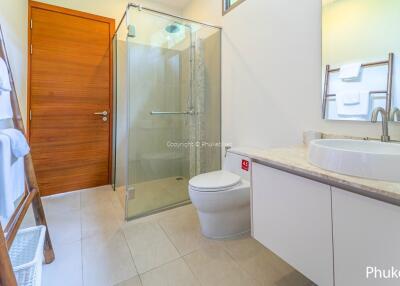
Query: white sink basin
(366, 159)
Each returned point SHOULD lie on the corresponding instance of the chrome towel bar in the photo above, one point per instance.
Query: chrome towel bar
(389, 62)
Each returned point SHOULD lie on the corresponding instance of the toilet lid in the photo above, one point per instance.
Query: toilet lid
(214, 181)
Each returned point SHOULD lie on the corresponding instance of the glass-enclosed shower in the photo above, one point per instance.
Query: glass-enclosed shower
(167, 108)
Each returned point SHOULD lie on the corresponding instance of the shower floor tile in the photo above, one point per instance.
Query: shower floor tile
(157, 194)
(166, 248)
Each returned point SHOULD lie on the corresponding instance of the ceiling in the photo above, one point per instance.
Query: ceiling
(177, 4)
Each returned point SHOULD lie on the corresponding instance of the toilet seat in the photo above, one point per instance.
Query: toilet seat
(214, 182)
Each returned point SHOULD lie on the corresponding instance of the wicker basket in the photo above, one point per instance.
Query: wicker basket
(26, 255)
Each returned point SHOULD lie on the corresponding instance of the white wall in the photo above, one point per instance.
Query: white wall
(271, 65)
(271, 77)
(14, 20)
(208, 11)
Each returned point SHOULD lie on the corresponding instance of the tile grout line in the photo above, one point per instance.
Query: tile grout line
(163, 264)
(234, 260)
(169, 239)
(240, 267)
(169, 262)
(132, 257)
(190, 268)
(181, 256)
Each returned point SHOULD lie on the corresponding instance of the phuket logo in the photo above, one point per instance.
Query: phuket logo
(373, 272)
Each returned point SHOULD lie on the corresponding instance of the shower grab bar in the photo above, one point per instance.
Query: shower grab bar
(171, 112)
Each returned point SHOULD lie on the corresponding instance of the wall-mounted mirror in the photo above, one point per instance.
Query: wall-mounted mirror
(360, 57)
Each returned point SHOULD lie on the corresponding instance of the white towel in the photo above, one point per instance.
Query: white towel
(6, 111)
(19, 144)
(5, 84)
(353, 109)
(350, 71)
(12, 178)
(351, 98)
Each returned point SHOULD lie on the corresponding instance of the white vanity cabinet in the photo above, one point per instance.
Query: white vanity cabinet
(292, 217)
(366, 234)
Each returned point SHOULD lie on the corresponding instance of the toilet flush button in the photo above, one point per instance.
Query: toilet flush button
(245, 165)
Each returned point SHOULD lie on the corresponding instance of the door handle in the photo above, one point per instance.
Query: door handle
(103, 113)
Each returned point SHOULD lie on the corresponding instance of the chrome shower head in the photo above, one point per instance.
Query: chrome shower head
(173, 28)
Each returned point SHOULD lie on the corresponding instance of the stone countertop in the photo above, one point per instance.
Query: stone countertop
(294, 160)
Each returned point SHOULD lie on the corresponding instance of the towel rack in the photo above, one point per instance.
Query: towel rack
(388, 91)
(31, 196)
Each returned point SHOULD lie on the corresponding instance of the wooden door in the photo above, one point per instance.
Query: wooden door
(70, 80)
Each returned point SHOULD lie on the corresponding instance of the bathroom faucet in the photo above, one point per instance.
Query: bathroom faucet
(385, 126)
(395, 116)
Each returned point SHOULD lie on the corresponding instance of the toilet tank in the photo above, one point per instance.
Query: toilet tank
(237, 164)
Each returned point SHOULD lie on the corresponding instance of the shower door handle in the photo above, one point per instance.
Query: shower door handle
(190, 112)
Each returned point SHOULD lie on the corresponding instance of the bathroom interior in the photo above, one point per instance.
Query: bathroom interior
(199, 142)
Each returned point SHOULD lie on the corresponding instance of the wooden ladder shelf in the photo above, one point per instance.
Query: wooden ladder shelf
(31, 196)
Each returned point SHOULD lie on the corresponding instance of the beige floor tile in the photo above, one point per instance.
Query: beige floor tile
(149, 245)
(294, 278)
(183, 229)
(100, 221)
(111, 248)
(103, 196)
(62, 203)
(175, 273)
(135, 281)
(158, 216)
(106, 261)
(237, 278)
(66, 270)
(64, 227)
(156, 194)
(213, 266)
(257, 261)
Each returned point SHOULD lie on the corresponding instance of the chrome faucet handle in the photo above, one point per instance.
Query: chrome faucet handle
(395, 115)
(385, 126)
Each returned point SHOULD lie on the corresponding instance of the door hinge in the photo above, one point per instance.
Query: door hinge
(30, 115)
(31, 24)
(31, 49)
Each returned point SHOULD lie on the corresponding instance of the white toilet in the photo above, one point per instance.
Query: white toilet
(222, 199)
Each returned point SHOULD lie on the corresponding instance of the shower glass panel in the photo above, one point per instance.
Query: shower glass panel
(168, 116)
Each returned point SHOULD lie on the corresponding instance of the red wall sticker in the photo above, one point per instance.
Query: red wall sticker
(245, 165)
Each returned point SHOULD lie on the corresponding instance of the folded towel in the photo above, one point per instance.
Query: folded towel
(19, 144)
(351, 98)
(12, 179)
(346, 103)
(5, 84)
(5, 105)
(350, 71)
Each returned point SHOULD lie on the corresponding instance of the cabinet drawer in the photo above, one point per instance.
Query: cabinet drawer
(366, 234)
(292, 217)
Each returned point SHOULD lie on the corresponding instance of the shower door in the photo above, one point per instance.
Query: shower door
(168, 108)
(160, 110)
